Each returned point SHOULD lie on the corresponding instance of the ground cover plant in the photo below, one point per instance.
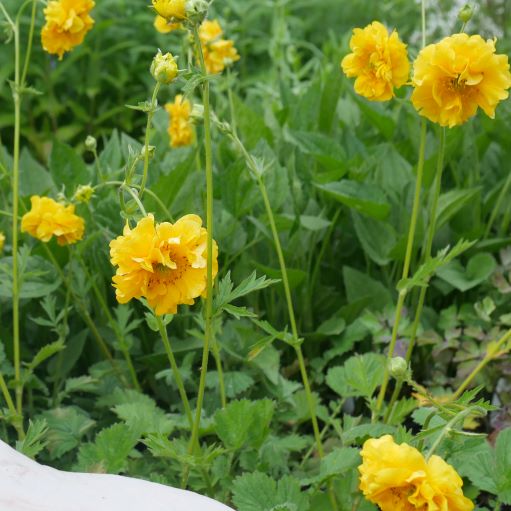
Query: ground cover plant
(260, 249)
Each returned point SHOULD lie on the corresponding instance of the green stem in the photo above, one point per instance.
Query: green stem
(29, 42)
(175, 370)
(17, 420)
(150, 114)
(221, 380)
(137, 187)
(407, 263)
(498, 205)
(208, 337)
(448, 428)
(490, 355)
(113, 325)
(230, 97)
(425, 256)
(136, 197)
(15, 212)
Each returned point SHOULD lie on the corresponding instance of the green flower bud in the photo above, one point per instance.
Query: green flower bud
(465, 15)
(91, 143)
(398, 368)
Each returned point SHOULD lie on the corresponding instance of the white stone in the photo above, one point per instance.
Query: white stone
(27, 486)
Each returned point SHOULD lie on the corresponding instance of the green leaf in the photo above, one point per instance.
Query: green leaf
(227, 293)
(336, 463)
(363, 197)
(259, 492)
(46, 352)
(244, 423)
(67, 168)
(453, 201)
(357, 434)
(66, 428)
(376, 237)
(479, 268)
(38, 277)
(109, 452)
(359, 376)
(34, 441)
(428, 269)
(145, 417)
(503, 465)
(236, 382)
(360, 287)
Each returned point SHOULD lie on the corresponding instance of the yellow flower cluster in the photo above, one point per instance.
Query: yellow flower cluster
(163, 26)
(218, 53)
(48, 218)
(452, 79)
(379, 62)
(458, 75)
(67, 23)
(2, 241)
(180, 128)
(398, 478)
(164, 263)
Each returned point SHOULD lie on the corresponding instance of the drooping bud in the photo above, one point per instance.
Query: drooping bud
(398, 368)
(91, 143)
(465, 15)
(164, 68)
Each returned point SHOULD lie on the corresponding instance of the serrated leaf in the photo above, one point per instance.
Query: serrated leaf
(109, 452)
(35, 439)
(46, 352)
(66, 428)
(423, 275)
(259, 492)
(144, 418)
(359, 376)
(244, 423)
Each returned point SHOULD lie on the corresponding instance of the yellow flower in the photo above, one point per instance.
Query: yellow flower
(398, 478)
(164, 263)
(163, 26)
(164, 68)
(218, 53)
(180, 127)
(379, 62)
(209, 31)
(67, 23)
(2, 241)
(454, 77)
(170, 9)
(48, 218)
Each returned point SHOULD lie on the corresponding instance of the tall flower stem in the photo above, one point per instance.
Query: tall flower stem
(208, 337)
(425, 256)
(150, 114)
(175, 370)
(407, 262)
(256, 173)
(492, 353)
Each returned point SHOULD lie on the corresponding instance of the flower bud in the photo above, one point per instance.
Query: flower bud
(150, 151)
(171, 10)
(164, 68)
(84, 193)
(465, 15)
(196, 11)
(91, 143)
(398, 368)
(197, 113)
